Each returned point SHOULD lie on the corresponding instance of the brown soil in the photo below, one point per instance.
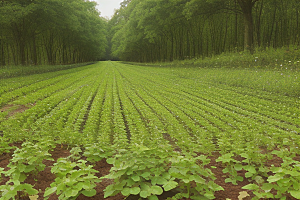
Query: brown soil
(13, 109)
(45, 178)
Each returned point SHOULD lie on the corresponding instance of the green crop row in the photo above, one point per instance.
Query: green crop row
(152, 123)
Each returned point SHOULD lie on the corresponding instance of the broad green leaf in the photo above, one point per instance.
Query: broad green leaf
(86, 185)
(135, 190)
(250, 169)
(49, 191)
(79, 186)
(110, 161)
(156, 190)
(89, 193)
(70, 192)
(248, 174)
(296, 185)
(158, 180)
(120, 185)
(126, 192)
(130, 182)
(170, 185)
(29, 189)
(267, 187)
(251, 187)
(136, 178)
(145, 194)
(239, 178)
(146, 175)
(293, 173)
(198, 179)
(238, 167)
(295, 194)
(29, 168)
(22, 177)
(274, 178)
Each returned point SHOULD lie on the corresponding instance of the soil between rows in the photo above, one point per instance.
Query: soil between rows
(45, 178)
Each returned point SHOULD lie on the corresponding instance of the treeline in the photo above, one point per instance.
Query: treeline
(37, 32)
(166, 30)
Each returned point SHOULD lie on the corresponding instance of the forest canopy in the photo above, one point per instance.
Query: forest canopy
(50, 32)
(167, 30)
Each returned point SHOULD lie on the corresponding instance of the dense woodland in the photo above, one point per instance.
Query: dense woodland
(166, 30)
(37, 32)
(71, 31)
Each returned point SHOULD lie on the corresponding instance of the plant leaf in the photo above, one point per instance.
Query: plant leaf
(156, 190)
(170, 185)
(250, 187)
(153, 197)
(49, 191)
(135, 190)
(89, 193)
(243, 195)
(295, 194)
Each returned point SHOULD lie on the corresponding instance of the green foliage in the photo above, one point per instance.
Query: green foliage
(97, 152)
(140, 171)
(27, 160)
(232, 167)
(73, 177)
(149, 172)
(284, 180)
(51, 32)
(10, 191)
(150, 122)
(160, 31)
(188, 170)
(16, 71)
(5, 146)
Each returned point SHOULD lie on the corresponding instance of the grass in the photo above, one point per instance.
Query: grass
(271, 70)
(16, 71)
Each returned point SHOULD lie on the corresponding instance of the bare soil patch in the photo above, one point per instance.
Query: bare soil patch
(13, 109)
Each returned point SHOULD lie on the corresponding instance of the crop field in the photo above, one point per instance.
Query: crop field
(150, 132)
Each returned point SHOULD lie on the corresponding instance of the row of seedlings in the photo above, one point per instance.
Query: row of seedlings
(142, 129)
(41, 89)
(172, 127)
(21, 123)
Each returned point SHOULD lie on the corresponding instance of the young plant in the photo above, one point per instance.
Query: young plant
(96, 152)
(286, 177)
(4, 146)
(189, 170)
(27, 160)
(232, 166)
(149, 172)
(255, 167)
(73, 177)
(141, 171)
(15, 188)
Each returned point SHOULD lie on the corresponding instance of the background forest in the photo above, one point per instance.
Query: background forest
(167, 30)
(35, 32)
(38, 32)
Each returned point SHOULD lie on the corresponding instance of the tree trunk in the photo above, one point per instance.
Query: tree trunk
(246, 6)
(2, 58)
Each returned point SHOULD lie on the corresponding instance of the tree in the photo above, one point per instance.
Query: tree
(247, 7)
(51, 32)
(166, 30)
